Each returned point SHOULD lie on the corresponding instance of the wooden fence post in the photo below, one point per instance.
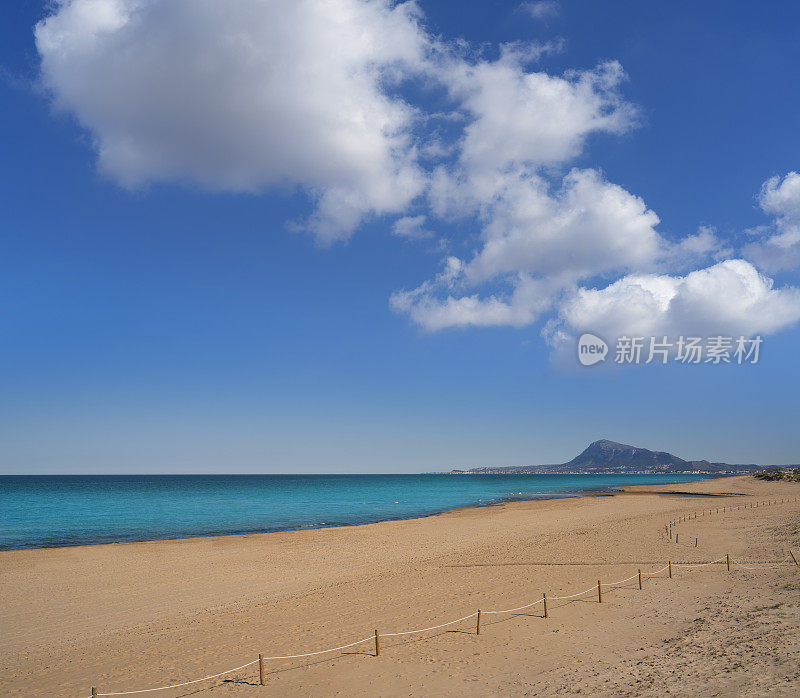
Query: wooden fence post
(676, 537)
(695, 542)
(728, 561)
(377, 644)
(261, 670)
(640, 580)
(599, 592)
(546, 613)
(94, 692)
(670, 569)
(478, 627)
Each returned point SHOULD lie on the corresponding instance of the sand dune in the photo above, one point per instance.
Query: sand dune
(138, 615)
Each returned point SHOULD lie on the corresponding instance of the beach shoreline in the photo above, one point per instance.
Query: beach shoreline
(142, 614)
(109, 538)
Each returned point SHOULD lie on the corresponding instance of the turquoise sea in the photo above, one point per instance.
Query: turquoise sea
(43, 511)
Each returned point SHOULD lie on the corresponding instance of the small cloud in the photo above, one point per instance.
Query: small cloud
(777, 246)
(704, 245)
(411, 227)
(529, 52)
(541, 10)
(436, 149)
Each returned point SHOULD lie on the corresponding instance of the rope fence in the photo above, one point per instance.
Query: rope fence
(598, 588)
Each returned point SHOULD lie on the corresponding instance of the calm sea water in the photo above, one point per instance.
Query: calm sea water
(43, 511)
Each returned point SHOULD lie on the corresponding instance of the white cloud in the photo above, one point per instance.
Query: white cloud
(426, 307)
(243, 95)
(541, 9)
(533, 118)
(412, 227)
(779, 248)
(536, 240)
(587, 227)
(777, 252)
(247, 95)
(538, 246)
(703, 245)
(730, 298)
(782, 198)
(535, 244)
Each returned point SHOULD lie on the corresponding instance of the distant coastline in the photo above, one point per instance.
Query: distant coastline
(532, 470)
(606, 457)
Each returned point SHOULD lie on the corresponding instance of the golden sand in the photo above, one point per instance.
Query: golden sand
(139, 615)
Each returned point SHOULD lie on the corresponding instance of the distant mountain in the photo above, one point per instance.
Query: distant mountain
(603, 455)
(611, 457)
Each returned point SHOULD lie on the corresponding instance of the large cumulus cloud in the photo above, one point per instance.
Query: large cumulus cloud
(245, 94)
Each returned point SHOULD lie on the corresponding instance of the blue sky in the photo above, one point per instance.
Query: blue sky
(202, 270)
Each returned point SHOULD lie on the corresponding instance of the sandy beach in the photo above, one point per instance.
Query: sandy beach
(133, 616)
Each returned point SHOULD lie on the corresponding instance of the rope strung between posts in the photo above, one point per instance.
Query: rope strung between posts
(433, 627)
(591, 589)
(518, 608)
(572, 596)
(700, 564)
